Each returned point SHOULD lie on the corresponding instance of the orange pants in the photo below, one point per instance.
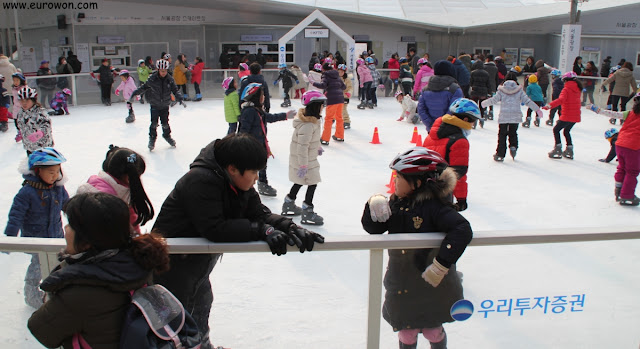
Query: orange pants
(334, 111)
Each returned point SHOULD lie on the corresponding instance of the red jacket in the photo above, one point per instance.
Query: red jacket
(394, 65)
(196, 73)
(629, 136)
(570, 101)
(458, 156)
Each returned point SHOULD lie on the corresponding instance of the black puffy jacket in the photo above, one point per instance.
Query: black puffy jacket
(479, 81)
(158, 91)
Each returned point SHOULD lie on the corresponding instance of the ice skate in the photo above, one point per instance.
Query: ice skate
(556, 153)
(198, 97)
(536, 122)
(152, 143)
(289, 207)
(286, 103)
(186, 98)
(630, 202)
(616, 191)
(362, 105)
(131, 118)
(512, 151)
(170, 140)
(347, 125)
(337, 139)
(612, 121)
(568, 152)
(490, 115)
(549, 122)
(370, 105)
(498, 158)
(266, 190)
(323, 142)
(4, 127)
(481, 120)
(527, 122)
(310, 217)
(440, 345)
(408, 346)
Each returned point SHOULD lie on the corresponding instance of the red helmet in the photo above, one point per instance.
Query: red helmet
(418, 160)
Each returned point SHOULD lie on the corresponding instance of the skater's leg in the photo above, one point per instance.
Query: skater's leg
(567, 132)
(502, 140)
(337, 112)
(614, 102)
(408, 336)
(311, 190)
(623, 104)
(293, 193)
(262, 175)
(631, 170)
(556, 130)
(345, 114)
(233, 127)
(513, 135)
(155, 115)
(436, 336)
(164, 120)
(328, 121)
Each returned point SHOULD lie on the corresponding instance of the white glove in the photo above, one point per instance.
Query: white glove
(482, 104)
(291, 114)
(379, 208)
(539, 114)
(434, 273)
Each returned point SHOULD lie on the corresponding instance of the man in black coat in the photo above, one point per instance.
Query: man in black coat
(216, 200)
(72, 59)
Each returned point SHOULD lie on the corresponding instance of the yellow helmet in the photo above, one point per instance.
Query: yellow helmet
(533, 78)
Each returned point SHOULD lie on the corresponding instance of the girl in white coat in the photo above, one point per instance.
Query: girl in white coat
(305, 148)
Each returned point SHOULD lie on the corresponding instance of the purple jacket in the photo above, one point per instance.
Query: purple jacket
(435, 101)
(60, 101)
(333, 87)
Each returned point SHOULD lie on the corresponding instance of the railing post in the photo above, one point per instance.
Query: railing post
(73, 90)
(375, 298)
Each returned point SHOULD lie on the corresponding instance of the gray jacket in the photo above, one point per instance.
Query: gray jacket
(511, 95)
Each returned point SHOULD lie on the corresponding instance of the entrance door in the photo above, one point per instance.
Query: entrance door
(189, 48)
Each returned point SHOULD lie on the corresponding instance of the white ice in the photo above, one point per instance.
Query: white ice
(319, 299)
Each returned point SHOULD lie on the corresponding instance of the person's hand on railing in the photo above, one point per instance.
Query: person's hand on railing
(276, 239)
(379, 208)
(434, 273)
(304, 239)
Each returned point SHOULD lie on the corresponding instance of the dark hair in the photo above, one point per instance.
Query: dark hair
(327, 66)
(120, 162)
(412, 49)
(511, 76)
(180, 58)
(126, 75)
(313, 109)
(622, 60)
(628, 65)
(162, 55)
(429, 183)
(255, 68)
(101, 221)
(575, 61)
(198, 59)
(594, 69)
(240, 150)
(490, 58)
(60, 59)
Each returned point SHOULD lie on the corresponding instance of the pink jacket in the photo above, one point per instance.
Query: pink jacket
(127, 88)
(422, 78)
(104, 183)
(364, 74)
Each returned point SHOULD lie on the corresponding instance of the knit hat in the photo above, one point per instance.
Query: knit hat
(444, 68)
(533, 78)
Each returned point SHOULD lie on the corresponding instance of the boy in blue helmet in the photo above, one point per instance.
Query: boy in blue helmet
(287, 78)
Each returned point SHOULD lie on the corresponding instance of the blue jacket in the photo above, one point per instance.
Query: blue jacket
(557, 85)
(36, 209)
(251, 118)
(435, 101)
(462, 73)
(534, 91)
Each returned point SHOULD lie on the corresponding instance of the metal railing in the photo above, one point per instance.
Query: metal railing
(376, 244)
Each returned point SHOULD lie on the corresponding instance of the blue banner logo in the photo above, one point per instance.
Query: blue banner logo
(462, 310)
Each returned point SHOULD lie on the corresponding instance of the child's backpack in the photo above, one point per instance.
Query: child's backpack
(157, 319)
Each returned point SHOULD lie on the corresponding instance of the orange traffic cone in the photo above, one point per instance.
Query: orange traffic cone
(415, 134)
(419, 141)
(391, 179)
(392, 187)
(376, 138)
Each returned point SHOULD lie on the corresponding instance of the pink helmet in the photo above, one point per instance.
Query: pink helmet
(243, 66)
(569, 75)
(123, 71)
(359, 61)
(227, 82)
(398, 93)
(313, 96)
(66, 91)
(328, 60)
(418, 160)
(317, 66)
(422, 61)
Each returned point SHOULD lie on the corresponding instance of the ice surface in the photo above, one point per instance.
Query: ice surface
(319, 299)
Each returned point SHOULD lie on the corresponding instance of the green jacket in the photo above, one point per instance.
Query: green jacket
(143, 73)
(232, 107)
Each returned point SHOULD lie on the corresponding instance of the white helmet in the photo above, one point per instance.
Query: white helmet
(162, 64)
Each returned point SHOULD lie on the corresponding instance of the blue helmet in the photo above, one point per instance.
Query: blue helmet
(19, 76)
(282, 65)
(45, 157)
(465, 106)
(556, 72)
(370, 60)
(610, 133)
(250, 90)
(402, 59)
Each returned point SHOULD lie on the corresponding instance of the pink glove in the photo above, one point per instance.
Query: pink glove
(9, 115)
(117, 92)
(34, 137)
(138, 97)
(348, 95)
(546, 107)
(539, 114)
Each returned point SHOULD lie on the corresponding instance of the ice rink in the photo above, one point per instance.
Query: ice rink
(319, 299)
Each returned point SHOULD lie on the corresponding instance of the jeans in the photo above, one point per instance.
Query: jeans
(33, 296)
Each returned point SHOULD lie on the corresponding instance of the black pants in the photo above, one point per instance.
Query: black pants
(365, 91)
(286, 93)
(163, 115)
(406, 87)
(529, 111)
(465, 90)
(262, 175)
(188, 280)
(372, 95)
(566, 125)
(552, 112)
(184, 90)
(105, 92)
(544, 91)
(478, 101)
(142, 95)
(196, 86)
(308, 198)
(510, 130)
(233, 128)
(623, 102)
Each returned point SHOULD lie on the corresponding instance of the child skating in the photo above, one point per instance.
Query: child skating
(611, 135)
(59, 103)
(287, 78)
(342, 71)
(33, 122)
(421, 284)
(569, 100)
(534, 91)
(127, 86)
(231, 103)
(409, 107)
(333, 87)
(5, 103)
(18, 82)
(556, 87)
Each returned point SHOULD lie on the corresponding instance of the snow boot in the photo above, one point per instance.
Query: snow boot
(512, 151)
(198, 97)
(170, 140)
(266, 190)
(536, 122)
(616, 190)
(310, 217)
(347, 125)
(337, 139)
(612, 121)
(498, 158)
(4, 127)
(527, 122)
(556, 153)
(408, 346)
(289, 207)
(568, 152)
(152, 143)
(549, 122)
(630, 202)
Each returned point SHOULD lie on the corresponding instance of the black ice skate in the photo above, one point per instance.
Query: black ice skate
(3, 126)
(616, 191)
(337, 139)
(498, 158)
(362, 105)
(323, 142)
(310, 217)
(370, 105)
(568, 152)
(549, 122)
(490, 115)
(512, 151)
(630, 202)
(131, 118)
(289, 207)
(556, 153)
(408, 346)
(536, 122)
(527, 122)
(266, 190)
(612, 121)
(152, 143)
(170, 140)
(347, 125)
(286, 103)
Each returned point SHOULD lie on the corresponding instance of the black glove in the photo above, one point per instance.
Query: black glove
(183, 104)
(304, 239)
(276, 239)
(461, 205)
